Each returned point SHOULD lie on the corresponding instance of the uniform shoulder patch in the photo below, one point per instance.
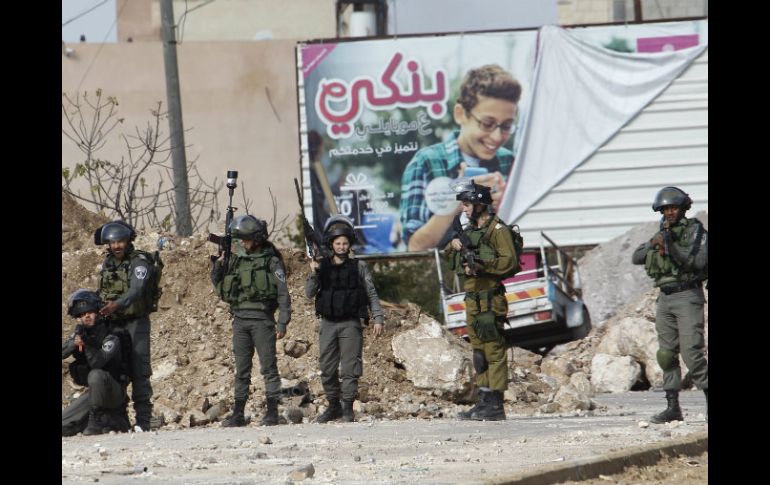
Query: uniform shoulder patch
(498, 226)
(108, 345)
(280, 275)
(140, 272)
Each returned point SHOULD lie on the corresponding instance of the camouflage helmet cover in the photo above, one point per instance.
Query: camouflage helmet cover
(248, 227)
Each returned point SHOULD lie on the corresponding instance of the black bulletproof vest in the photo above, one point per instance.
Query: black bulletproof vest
(119, 370)
(342, 294)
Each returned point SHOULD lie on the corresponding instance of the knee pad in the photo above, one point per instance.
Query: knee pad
(479, 361)
(666, 359)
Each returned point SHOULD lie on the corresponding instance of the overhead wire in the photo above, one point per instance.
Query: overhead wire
(83, 13)
(101, 45)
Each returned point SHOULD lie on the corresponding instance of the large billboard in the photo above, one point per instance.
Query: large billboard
(387, 125)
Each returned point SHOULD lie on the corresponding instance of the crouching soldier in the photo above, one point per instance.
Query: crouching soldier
(344, 292)
(254, 285)
(102, 362)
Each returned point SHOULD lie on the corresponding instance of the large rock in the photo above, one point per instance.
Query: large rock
(609, 278)
(610, 373)
(637, 338)
(560, 368)
(435, 359)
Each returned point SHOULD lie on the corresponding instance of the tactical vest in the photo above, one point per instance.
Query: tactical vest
(119, 370)
(250, 285)
(479, 243)
(687, 235)
(342, 295)
(115, 280)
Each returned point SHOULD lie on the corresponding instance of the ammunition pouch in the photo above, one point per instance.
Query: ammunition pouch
(485, 326)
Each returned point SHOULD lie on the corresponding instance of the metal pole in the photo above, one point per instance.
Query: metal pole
(181, 187)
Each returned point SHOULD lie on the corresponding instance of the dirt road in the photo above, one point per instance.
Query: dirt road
(374, 452)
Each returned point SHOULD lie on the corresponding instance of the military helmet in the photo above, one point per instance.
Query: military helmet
(338, 225)
(83, 301)
(469, 191)
(671, 196)
(114, 231)
(248, 227)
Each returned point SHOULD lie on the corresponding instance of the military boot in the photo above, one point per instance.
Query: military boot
(706, 392)
(493, 411)
(481, 403)
(271, 416)
(236, 417)
(143, 415)
(347, 412)
(333, 412)
(672, 413)
(119, 418)
(98, 422)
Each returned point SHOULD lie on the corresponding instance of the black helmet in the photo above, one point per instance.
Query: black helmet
(114, 231)
(671, 196)
(468, 191)
(82, 301)
(248, 227)
(338, 225)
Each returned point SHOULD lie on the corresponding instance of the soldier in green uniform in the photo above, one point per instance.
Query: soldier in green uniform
(490, 241)
(255, 286)
(125, 285)
(344, 292)
(677, 259)
(102, 362)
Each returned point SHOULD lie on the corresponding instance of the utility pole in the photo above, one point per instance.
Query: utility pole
(183, 219)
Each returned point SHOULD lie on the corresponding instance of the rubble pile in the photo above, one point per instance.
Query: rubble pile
(193, 364)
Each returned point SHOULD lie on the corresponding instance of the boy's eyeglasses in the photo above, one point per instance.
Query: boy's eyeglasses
(488, 126)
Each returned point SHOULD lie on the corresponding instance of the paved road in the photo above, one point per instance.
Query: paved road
(376, 452)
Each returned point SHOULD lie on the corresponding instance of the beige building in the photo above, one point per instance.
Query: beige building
(237, 71)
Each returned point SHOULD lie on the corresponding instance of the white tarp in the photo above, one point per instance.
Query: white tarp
(583, 95)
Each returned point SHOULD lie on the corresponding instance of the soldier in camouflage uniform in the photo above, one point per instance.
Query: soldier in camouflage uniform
(486, 307)
(677, 259)
(255, 286)
(102, 362)
(125, 284)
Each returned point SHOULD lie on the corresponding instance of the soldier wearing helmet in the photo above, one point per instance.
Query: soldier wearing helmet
(344, 292)
(102, 362)
(255, 287)
(125, 286)
(491, 242)
(676, 258)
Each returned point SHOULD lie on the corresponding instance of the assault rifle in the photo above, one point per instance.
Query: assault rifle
(80, 330)
(225, 242)
(666, 232)
(311, 237)
(467, 254)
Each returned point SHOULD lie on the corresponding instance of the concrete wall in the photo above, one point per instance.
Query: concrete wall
(230, 19)
(238, 98)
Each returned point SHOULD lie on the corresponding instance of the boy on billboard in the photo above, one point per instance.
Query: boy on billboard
(486, 111)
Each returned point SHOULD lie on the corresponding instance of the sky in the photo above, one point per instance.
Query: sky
(98, 25)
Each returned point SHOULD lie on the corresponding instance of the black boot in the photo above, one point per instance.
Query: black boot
(271, 416)
(236, 417)
(481, 403)
(706, 392)
(97, 422)
(672, 413)
(333, 412)
(143, 415)
(347, 412)
(493, 411)
(119, 419)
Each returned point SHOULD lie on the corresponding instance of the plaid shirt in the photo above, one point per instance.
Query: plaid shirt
(439, 160)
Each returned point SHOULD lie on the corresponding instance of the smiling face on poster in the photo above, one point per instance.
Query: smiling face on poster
(391, 123)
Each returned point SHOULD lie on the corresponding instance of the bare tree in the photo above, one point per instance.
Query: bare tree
(138, 188)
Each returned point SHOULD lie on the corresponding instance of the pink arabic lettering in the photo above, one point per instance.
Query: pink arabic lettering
(361, 92)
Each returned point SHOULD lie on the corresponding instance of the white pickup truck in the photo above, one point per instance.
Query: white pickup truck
(544, 301)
